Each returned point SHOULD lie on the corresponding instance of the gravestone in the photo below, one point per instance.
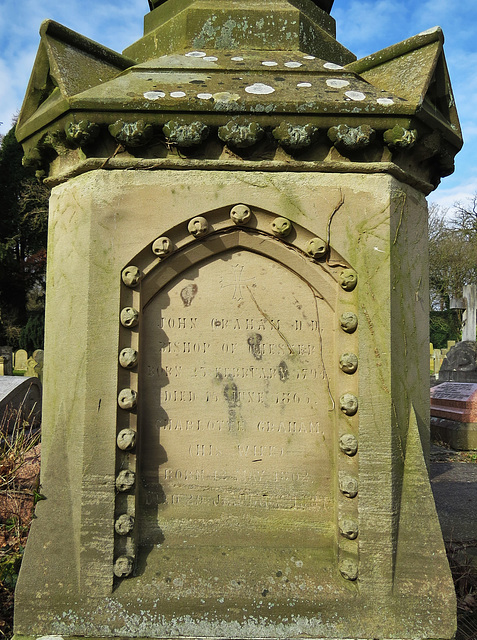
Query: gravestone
(468, 302)
(454, 414)
(21, 359)
(7, 354)
(20, 400)
(240, 450)
(460, 363)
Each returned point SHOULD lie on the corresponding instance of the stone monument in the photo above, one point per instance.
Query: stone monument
(240, 451)
(468, 302)
(454, 414)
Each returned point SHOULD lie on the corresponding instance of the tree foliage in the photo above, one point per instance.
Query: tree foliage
(23, 229)
(452, 264)
(452, 251)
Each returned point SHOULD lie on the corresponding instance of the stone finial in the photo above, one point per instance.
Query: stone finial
(348, 139)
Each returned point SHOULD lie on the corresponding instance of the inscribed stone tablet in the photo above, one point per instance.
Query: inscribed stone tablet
(237, 440)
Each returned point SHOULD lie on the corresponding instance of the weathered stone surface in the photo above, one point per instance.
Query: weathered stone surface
(188, 303)
(224, 416)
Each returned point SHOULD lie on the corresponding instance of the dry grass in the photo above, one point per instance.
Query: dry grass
(19, 492)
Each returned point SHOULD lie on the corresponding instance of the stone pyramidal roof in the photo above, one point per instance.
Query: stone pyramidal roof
(254, 80)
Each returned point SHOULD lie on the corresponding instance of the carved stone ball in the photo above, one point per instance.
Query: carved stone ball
(127, 399)
(124, 525)
(349, 569)
(129, 317)
(349, 321)
(123, 566)
(125, 480)
(349, 529)
(126, 439)
(348, 485)
(240, 214)
(349, 362)
(349, 444)
(281, 227)
(348, 279)
(198, 227)
(128, 358)
(162, 247)
(349, 404)
(316, 248)
(131, 276)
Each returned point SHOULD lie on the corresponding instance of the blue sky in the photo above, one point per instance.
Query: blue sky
(364, 26)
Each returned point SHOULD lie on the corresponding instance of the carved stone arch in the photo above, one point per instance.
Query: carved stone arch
(238, 394)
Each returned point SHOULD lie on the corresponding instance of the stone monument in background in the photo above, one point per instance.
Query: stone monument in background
(237, 268)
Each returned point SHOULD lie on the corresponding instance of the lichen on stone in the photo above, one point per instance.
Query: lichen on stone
(185, 134)
(293, 137)
(241, 135)
(82, 133)
(400, 138)
(132, 134)
(347, 138)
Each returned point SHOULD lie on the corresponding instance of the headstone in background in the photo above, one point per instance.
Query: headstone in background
(20, 360)
(460, 363)
(7, 353)
(20, 399)
(454, 414)
(35, 364)
(468, 302)
(240, 449)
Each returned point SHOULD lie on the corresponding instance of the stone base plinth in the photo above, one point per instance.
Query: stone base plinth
(458, 435)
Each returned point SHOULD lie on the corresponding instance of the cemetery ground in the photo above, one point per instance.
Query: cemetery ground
(453, 474)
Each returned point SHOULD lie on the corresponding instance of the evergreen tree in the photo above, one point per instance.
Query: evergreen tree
(23, 229)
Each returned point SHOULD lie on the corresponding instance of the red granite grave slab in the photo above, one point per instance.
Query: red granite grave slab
(455, 401)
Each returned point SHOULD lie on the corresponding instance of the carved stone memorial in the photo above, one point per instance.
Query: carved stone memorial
(236, 212)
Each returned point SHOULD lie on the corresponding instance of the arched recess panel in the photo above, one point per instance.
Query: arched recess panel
(238, 419)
